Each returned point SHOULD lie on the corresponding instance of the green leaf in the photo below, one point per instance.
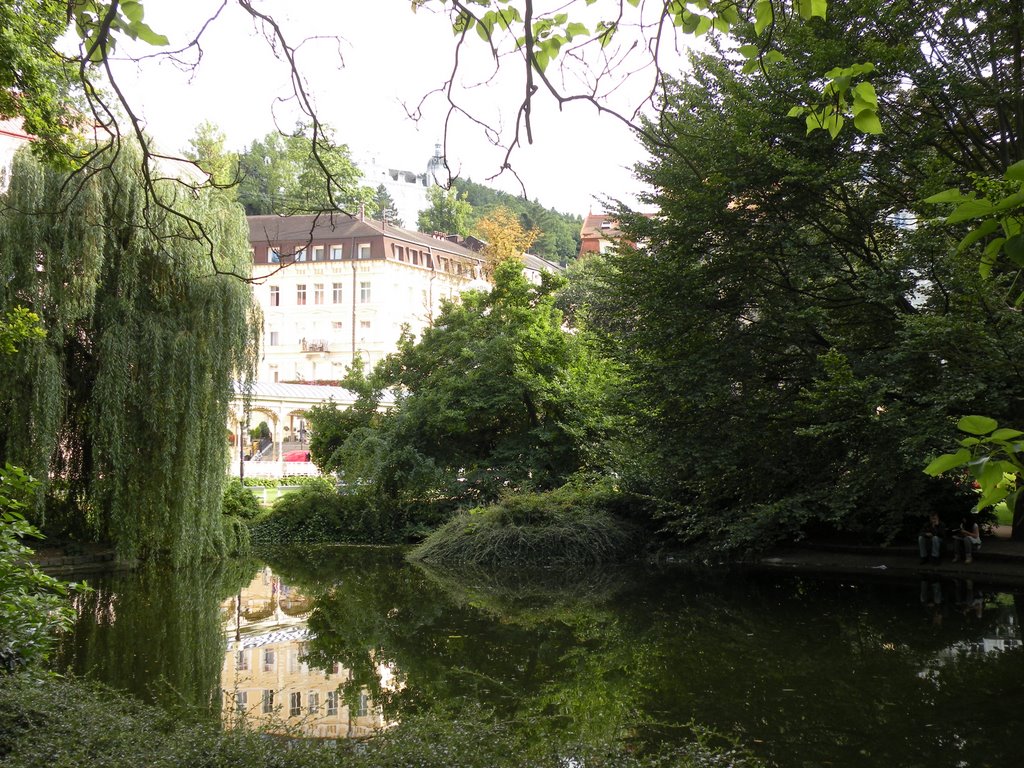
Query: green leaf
(967, 442)
(764, 15)
(1014, 249)
(774, 57)
(953, 195)
(866, 92)
(948, 461)
(576, 29)
(1010, 202)
(834, 123)
(971, 209)
(819, 8)
(147, 35)
(867, 121)
(983, 230)
(1005, 434)
(977, 425)
(749, 51)
(1015, 172)
(132, 10)
(796, 112)
(813, 122)
(993, 496)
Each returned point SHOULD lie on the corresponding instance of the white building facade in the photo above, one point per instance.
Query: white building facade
(335, 286)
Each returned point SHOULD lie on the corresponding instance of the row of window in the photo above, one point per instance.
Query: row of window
(320, 253)
(274, 337)
(399, 252)
(337, 292)
(295, 708)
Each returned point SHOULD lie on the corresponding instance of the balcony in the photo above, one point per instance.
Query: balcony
(315, 345)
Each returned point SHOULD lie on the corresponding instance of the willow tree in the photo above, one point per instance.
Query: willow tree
(121, 408)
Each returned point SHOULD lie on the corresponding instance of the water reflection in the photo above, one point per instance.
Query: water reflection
(805, 671)
(266, 678)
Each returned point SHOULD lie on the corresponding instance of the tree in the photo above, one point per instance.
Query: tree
(293, 174)
(383, 207)
(793, 346)
(208, 151)
(505, 238)
(120, 410)
(447, 212)
(489, 402)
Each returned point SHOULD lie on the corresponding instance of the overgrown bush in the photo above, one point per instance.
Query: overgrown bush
(63, 723)
(318, 514)
(239, 501)
(579, 524)
(33, 606)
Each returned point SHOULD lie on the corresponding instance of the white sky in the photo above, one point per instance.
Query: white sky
(369, 57)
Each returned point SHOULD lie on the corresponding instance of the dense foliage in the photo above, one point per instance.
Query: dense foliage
(120, 410)
(797, 337)
(558, 237)
(495, 398)
(33, 606)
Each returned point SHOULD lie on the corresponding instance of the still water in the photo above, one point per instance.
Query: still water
(801, 671)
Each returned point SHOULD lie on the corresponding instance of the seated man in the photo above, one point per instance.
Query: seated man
(929, 541)
(966, 538)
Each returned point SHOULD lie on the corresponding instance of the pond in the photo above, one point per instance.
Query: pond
(801, 671)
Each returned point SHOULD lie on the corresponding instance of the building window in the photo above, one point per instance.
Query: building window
(241, 700)
(241, 661)
(275, 338)
(300, 254)
(318, 293)
(398, 252)
(293, 661)
(364, 325)
(332, 703)
(336, 292)
(268, 701)
(336, 253)
(300, 294)
(336, 325)
(273, 256)
(318, 253)
(416, 258)
(295, 704)
(364, 292)
(313, 700)
(363, 251)
(362, 709)
(268, 660)
(275, 296)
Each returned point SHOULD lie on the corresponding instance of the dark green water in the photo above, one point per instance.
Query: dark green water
(802, 671)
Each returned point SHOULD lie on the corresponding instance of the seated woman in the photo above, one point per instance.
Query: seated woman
(966, 538)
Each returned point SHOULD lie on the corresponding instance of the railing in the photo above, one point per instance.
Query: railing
(274, 468)
(315, 345)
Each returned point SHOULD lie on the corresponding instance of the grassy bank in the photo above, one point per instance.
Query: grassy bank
(572, 526)
(62, 723)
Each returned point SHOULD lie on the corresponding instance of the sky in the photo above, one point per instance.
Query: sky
(361, 60)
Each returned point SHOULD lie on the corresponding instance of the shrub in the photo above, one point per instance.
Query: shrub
(575, 525)
(318, 514)
(238, 501)
(33, 606)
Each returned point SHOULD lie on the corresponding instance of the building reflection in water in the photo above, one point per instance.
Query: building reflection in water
(265, 683)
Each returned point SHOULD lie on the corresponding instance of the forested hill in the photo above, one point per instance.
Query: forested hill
(559, 240)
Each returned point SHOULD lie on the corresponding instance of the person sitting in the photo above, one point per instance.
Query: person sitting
(966, 539)
(929, 541)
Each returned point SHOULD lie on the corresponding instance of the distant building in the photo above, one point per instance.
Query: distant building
(334, 286)
(598, 234)
(533, 266)
(12, 138)
(408, 188)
